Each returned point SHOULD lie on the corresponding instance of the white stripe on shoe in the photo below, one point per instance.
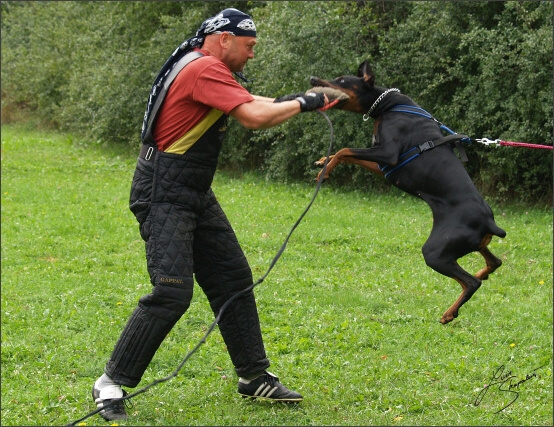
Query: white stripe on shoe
(265, 390)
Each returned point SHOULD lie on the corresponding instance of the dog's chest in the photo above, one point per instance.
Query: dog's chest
(375, 129)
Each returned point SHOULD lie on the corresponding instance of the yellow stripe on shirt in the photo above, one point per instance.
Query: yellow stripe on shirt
(188, 139)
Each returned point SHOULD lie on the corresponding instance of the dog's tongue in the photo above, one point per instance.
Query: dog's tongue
(331, 93)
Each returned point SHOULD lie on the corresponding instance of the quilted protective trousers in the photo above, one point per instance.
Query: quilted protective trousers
(186, 233)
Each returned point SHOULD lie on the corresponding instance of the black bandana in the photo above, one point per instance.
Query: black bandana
(229, 20)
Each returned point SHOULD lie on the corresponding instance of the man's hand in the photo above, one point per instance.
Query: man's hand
(294, 96)
(312, 101)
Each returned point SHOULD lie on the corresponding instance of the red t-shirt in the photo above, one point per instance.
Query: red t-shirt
(204, 84)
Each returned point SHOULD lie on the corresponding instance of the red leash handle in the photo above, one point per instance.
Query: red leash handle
(525, 144)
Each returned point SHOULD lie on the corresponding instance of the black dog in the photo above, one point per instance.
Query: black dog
(463, 221)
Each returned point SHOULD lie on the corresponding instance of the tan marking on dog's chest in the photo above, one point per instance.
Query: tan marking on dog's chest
(375, 129)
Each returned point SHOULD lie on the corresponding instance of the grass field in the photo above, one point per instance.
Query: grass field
(350, 313)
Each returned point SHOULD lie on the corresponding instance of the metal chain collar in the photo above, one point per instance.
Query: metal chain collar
(377, 101)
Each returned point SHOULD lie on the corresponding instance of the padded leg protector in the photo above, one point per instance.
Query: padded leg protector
(136, 347)
(148, 326)
(240, 329)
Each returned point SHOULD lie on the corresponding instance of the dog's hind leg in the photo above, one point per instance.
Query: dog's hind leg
(468, 289)
(492, 262)
(444, 263)
(468, 282)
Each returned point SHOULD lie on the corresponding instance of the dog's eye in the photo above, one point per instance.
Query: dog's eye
(342, 80)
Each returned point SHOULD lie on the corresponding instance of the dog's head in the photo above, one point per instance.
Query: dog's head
(358, 88)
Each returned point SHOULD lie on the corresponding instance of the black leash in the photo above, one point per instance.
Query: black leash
(230, 300)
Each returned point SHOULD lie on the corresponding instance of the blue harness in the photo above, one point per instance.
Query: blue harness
(416, 151)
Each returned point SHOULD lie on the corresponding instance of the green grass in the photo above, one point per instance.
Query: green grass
(350, 313)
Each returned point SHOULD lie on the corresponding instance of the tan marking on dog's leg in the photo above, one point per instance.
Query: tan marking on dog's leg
(347, 157)
(336, 160)
(366, 164)
(452, 312)
(492, 262)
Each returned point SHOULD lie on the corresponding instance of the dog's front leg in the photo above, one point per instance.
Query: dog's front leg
(331, 163)
(366, 164)
(347, 156)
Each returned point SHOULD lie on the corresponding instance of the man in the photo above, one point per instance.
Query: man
(186, 232)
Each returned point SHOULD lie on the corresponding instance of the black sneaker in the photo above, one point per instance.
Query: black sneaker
(268, 387)
(116, 411)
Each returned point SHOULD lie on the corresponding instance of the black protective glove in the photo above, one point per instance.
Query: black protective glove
(290, 97)
(311, 101)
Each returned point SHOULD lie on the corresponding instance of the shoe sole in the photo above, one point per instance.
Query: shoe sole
(269, 399)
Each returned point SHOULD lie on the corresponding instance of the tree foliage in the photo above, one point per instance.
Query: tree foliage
(482, 68)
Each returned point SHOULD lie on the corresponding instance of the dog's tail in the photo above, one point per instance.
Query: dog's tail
(497, 231)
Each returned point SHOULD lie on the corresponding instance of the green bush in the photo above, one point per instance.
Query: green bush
(482, 68)
(297, 40)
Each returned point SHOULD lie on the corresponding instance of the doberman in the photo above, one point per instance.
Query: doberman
(462, 221)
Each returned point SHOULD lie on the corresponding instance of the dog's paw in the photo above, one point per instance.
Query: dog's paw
(448, 317)
(321, 161)
(318, 177)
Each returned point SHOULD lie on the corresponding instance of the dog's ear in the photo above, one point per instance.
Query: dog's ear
(364, 70)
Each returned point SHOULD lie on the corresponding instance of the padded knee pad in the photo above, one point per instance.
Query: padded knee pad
(170, 298)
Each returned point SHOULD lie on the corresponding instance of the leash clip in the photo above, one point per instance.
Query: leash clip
(487, 141)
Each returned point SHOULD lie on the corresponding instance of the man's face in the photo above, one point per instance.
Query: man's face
(241, 49)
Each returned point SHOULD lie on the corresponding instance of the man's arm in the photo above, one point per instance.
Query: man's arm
(263, 113)
(263, 98)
